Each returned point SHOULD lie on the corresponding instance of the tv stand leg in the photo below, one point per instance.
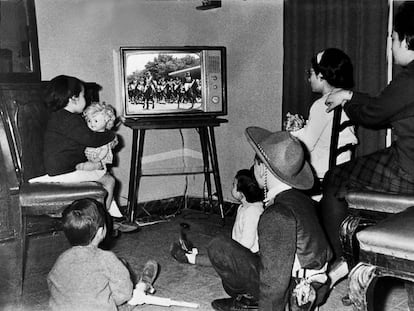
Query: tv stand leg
(135, 173)
(213, 152)
(206, 166)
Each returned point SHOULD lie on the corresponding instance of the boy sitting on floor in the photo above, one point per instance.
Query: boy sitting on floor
(293, 247)
(85, 277)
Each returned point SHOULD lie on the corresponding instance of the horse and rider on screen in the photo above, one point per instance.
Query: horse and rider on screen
(183, 92)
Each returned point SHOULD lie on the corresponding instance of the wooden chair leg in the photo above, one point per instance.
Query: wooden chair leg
(23, 253)
(347, 235)
(18, 276)
(19, 263)
(362, 281)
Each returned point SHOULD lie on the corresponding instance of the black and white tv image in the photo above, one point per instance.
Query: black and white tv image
(173, 81)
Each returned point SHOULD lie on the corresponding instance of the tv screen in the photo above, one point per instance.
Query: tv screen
(174, 81)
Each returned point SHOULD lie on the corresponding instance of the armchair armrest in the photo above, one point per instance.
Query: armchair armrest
(379, 201)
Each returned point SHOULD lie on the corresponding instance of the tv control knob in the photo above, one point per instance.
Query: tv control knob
(214, 78)
(215, 86)
(215, 99)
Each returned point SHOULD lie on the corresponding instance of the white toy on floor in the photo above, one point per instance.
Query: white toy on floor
(140, 297)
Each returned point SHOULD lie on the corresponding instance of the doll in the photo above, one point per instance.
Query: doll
(99, 117)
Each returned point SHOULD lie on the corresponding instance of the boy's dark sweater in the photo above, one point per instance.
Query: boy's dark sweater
(67, 135)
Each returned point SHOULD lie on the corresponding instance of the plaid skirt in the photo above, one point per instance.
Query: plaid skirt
(379, 171)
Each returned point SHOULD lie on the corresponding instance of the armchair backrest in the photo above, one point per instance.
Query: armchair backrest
(25, 119)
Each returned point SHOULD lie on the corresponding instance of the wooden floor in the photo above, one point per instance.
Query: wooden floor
(178, 281)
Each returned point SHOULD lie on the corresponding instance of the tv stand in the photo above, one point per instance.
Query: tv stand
(205, 128)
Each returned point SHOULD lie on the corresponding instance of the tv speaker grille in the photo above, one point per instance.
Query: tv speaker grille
(214, 64)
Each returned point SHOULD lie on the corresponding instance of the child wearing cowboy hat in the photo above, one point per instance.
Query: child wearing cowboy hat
(293, 246)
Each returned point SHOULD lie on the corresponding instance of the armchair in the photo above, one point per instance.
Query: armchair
(23, 119)
(377, 239)
(386, 249)
(367, 208)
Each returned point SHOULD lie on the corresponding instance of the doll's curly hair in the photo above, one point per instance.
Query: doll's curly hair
(97, 107)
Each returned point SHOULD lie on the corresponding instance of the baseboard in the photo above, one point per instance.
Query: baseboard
(174, 205)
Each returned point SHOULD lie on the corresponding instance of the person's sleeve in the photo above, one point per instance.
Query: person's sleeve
(249, 231)
(277, 242)
(312, 131)
(119, 278)
(81, 133)
(114, 142)
(391, 104)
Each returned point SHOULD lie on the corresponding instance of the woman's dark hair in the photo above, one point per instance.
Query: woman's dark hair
(60, 89)
(404, 23)
(336, 68)
(247, 184)
(81, 221)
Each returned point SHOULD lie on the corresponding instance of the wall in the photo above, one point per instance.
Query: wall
(81, 38)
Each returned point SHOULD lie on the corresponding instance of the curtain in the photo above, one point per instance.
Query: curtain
(358, 27)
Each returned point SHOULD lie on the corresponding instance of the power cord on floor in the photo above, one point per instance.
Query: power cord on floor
(180, 207)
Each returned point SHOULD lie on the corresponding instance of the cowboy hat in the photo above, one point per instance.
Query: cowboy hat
(283, 155)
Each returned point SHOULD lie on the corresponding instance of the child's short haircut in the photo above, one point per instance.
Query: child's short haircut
(104, 108)
(247, 184)
(60, 89)
(81, 221)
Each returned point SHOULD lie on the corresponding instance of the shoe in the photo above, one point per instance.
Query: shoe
(185, 244)
(338, 272)
(239, 303)
(346, 301)
(125, 226)
(148, 275)
(247, 301)
(322, 292)
(306, 307)
(178, 253)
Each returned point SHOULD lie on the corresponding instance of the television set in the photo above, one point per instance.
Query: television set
(180, 82)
